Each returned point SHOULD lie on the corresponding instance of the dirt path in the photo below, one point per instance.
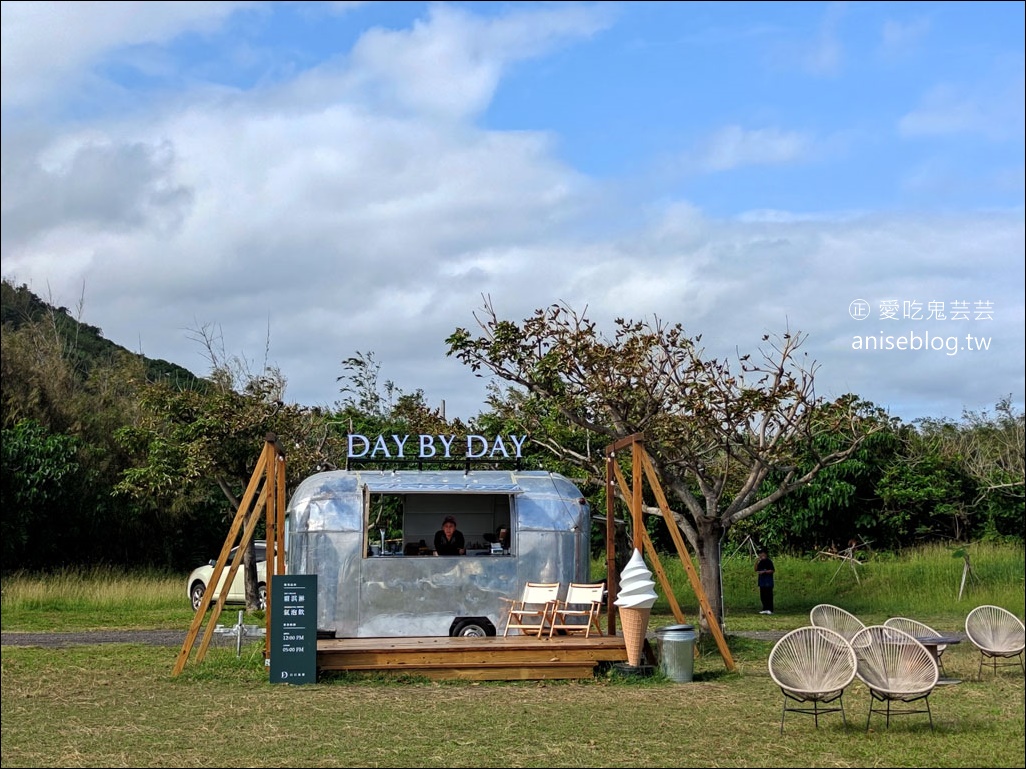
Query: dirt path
(93, 637)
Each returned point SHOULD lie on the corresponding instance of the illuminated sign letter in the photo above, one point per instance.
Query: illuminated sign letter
(362, 439)
(471, 440)
(400, 444)
(379, 445)
(447, 442)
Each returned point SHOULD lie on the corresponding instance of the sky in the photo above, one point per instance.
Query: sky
(305, 182)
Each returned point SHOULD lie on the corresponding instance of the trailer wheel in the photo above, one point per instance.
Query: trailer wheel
(473, 627)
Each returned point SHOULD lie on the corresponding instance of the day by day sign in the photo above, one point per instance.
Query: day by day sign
(435, 447)
(293, 647)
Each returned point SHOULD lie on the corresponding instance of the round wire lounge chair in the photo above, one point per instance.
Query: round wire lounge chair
(812, 666)
(998, 634)
(916, 628)
(837, 619)
(897, 669)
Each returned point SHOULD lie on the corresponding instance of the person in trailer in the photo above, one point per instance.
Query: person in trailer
(449, 540)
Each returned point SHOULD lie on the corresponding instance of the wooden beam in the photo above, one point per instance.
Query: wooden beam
(245, 521)
(685, 557)
(612, 578)
(637, 500)
(653, 555)
(642, 461)
(253, 518)
(657, 567)
(274, 563)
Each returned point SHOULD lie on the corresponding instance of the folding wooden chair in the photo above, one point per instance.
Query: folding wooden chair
(532, 612)
(580, 611)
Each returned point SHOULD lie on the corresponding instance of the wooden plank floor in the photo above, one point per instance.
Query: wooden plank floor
(495, 658)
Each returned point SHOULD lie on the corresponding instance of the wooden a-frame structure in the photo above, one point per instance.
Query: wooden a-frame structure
(266, 492)
(641, 466)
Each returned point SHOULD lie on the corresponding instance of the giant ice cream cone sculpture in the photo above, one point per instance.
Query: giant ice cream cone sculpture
(635, 600)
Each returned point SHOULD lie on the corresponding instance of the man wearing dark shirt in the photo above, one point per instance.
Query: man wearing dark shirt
(449, 541)
(764, 568)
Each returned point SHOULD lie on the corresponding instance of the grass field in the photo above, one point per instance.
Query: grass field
(118, 705)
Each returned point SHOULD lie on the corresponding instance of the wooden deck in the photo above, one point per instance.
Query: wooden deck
(495, 658)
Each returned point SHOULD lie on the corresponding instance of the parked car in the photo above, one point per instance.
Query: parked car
(198, 580)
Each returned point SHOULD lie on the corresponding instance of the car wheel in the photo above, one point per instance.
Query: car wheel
(262, 596)
(196, 594)
(471, 628)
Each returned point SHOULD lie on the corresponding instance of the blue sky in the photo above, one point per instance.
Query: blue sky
(317, 179)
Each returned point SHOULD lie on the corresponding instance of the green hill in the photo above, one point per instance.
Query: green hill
(20, 306)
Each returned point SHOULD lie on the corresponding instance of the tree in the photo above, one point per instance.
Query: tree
(557, 445)
(370, 408)
(841, 502)
(192, 441)
(990, 449)
(994, 448)
(63, 377)
(926, 496)
(715, 435)
(38, 473)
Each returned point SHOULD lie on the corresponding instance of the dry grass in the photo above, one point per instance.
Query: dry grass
(119, 706)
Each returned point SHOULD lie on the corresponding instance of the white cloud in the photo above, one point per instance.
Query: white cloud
(53, 45)
(992, 110)
(899, 37)
(358, 206)
(819, 53)
(824, 56)
(449, 65)
(735, 147)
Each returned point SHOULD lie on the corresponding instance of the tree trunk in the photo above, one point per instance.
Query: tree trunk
(710, 536)
(250, 573)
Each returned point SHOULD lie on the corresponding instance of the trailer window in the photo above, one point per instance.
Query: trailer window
(405, 524)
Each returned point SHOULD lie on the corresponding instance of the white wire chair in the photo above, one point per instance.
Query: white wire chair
(998, 634)
(812, 666)
(837, 619)
(897, 669)
(916, 628)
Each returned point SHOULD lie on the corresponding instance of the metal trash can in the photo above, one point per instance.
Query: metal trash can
(677, 652)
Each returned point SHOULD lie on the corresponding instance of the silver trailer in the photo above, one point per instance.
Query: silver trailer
(370, 585)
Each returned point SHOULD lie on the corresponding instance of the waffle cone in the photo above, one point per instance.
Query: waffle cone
(635, 624)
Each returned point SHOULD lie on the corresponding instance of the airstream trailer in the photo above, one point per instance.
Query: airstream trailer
(373, 585)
